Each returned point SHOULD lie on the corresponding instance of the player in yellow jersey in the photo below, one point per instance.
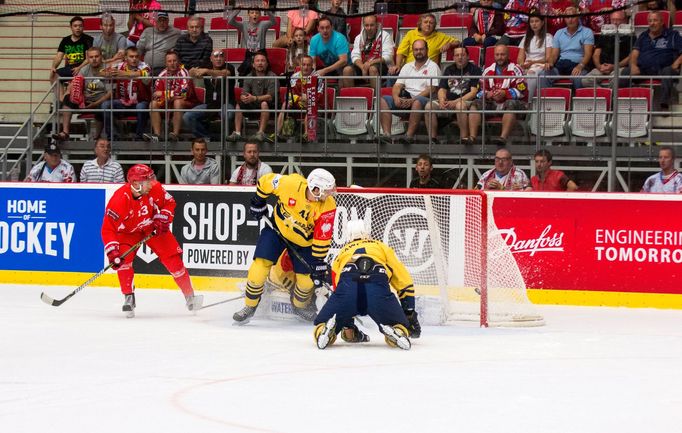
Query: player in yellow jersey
(304, 216)
(363, 273)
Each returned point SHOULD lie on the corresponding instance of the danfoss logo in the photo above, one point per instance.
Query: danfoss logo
(545, 242)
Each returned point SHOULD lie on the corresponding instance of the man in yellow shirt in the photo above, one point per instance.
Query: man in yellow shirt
(304, 216)
(363, 273)
(426, 29)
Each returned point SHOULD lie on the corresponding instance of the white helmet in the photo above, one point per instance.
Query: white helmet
(324, 181)
(357, 229)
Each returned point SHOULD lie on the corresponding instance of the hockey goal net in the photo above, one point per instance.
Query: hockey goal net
(461, 267)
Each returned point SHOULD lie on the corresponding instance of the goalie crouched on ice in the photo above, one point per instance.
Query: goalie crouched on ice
(363, 273)
(135, 210)
(304, 216)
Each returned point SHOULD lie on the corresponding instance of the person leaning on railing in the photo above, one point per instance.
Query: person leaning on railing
(217, 86)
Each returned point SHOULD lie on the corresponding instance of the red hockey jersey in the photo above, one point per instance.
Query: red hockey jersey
(125, 214)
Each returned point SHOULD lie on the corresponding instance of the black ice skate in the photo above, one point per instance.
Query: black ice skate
(308, 313)
(243, 316)
(396, 336)
(129, 305)
(194, 302)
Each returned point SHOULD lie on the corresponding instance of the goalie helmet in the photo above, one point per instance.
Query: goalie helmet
(140, 172)
(324, 181)
(356, 229)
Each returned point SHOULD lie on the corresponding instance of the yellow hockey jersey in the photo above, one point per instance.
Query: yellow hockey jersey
(303, 222)
(398, 276)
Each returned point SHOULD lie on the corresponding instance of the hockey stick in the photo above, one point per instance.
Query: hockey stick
(57, 302)
(290, 247)
(222, 302)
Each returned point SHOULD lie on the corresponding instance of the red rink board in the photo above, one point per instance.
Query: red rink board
(596, 242)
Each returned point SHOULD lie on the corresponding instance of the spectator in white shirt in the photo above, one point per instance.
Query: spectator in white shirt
(252, 169)
(53, 168)
(412, 93)
(102, 169)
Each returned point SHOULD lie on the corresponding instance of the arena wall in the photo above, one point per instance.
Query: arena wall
(572, 248)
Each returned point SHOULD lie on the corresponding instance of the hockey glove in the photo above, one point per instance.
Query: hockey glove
(259, 207)
(414, 328)
(114, 256)
(320, 273)
(161, 223)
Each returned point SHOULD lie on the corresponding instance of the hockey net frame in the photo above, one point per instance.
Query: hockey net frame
(491, 291)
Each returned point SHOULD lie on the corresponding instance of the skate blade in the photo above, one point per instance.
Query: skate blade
(400, 341)
(130, 314)
(242, 323)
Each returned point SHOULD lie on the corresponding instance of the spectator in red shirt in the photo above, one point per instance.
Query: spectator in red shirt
(547, 179)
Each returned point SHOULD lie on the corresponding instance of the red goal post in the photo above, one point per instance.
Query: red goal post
(461, 267)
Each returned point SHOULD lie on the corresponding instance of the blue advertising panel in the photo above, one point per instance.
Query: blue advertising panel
(51, 229)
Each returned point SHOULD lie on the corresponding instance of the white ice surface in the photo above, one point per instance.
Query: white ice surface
(83, 367)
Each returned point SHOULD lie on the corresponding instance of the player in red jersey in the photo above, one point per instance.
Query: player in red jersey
(137, 209)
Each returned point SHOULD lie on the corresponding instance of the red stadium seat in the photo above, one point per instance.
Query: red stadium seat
(455, 25)
(490, 55)
(277, 59)
(92, 25)
(223, 34)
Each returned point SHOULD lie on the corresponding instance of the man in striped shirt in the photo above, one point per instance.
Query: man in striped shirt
(102, 169)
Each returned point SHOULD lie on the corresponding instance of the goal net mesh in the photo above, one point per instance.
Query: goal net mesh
(454, 258)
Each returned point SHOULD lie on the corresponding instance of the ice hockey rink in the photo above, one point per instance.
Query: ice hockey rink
(84, 367)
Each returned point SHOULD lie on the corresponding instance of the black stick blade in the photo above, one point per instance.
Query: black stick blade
(50, 301)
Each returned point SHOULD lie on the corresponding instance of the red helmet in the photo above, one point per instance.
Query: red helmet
(140, 172)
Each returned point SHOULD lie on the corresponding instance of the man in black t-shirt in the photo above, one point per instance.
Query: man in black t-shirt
(457, 92)
(424, 167)
(216, 85)
(72, 50)
(604, 50)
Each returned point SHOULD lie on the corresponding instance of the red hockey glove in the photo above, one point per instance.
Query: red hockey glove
(161, 223)
(114, 256)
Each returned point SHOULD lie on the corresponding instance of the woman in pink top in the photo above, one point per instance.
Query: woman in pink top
(307, 23)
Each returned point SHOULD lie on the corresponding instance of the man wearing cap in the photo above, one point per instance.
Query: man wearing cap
(53, 168)
(195, 46)
(156, 41)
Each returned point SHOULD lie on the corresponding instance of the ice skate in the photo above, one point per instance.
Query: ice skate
(308, 314)
(194, 302)
(352, 334)
(396, 336)
(243, 316)
(325, 333)
(129, 305)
